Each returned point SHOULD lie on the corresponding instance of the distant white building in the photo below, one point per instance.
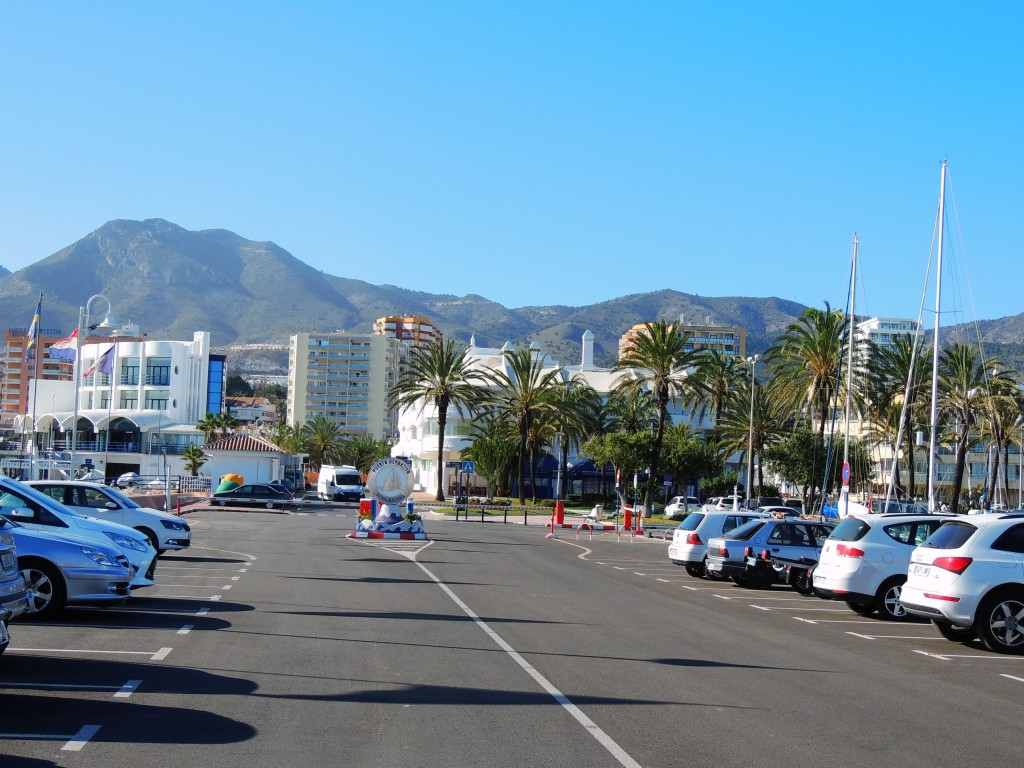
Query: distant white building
(137, 408)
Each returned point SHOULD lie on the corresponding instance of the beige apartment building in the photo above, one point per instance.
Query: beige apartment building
(728, 340)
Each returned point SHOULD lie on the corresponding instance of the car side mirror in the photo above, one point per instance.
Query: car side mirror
(20, 513)
(111, 505)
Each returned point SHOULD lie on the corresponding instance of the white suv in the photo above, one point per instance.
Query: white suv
(864, 561)
(681, 505)
(164, 531)
(968, 578)
(689, 545)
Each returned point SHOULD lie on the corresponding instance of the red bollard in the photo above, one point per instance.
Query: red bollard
(627, 517)
(559, 512)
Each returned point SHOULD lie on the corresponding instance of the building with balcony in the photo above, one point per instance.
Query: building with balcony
(344, 377)
(414, 331)
(136, 405)
(727, 340)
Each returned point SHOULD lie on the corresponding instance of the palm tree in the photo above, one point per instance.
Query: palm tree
(770, 423)
(1001, 410)
(962, 389)
(576, 402)
(325, 441)
(657, 362)
(806, 361)
(438, 375)
(194, 459)
(888, 373)
(364, 451)
(716, 377)
(521, 391)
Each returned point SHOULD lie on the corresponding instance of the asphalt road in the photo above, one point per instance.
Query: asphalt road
(278, 641)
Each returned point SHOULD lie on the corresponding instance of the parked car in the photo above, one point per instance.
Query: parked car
(968, 578)
(864, 562)
(689, 541)
(722, 503)
(45, 514)
(61, 569)
(253, 494)
(788, 537)
(680, 506)
(12, 584)
(765, 501)
(795, 504)
(164, 531)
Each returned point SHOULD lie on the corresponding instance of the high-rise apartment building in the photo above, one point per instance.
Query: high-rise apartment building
(728, 340)
(414, 331)
(344, 377)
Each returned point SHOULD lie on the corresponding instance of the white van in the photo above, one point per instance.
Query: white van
(339, 483)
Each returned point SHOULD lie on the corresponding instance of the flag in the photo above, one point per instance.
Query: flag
(34, 328)
(104, 365)
(65, 349)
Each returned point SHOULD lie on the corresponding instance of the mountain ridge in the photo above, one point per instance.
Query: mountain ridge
(174, 281)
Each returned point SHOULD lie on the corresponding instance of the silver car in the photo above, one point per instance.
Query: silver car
(63, 569)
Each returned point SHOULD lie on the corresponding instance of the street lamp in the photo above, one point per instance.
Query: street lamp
(750, 443)
(108, 324)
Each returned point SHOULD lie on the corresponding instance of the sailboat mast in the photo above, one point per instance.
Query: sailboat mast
(850, 319)
(934, 419)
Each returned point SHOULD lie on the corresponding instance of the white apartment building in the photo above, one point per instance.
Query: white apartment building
(344, 377)
(136, 410)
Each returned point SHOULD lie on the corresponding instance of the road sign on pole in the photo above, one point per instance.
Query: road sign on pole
(846, 473)
(467, 467)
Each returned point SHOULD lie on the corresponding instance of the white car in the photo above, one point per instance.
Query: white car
(968, 578)
(164, 531)
(864, 561)
(689, 545)
(681, 505)
(37, 511)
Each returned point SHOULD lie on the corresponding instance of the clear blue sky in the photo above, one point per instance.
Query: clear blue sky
(532, 152)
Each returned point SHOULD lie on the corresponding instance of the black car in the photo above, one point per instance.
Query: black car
(253, 495)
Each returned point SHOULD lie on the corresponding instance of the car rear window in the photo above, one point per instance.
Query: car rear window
(747, 530)
(951, 535)
(850, 529)
(692, 521)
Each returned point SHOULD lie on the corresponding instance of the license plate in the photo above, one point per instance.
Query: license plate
(714, 566)
(920, 569)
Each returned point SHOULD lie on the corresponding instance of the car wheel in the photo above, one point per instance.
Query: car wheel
(800, 580)
(46, 592)
(860, 609)
(999, 621)
(223, 502)
(697, 571)
(955, 633)
(6, 637)
(887, 600)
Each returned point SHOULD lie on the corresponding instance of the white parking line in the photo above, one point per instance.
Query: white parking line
(185, 629)
(835, 621)
(893, 637)
(159, 655)
(202, 611)
(987, 657)
(1012, 677)
(80, 739)
(128, 689)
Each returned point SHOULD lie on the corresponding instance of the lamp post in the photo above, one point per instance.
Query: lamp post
(750, 440)
(108, 324)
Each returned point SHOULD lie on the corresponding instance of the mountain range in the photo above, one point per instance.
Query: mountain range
(173, 282)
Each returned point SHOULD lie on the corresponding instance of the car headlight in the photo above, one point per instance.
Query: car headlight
(126, 542)
(99, 557)
(174, 525)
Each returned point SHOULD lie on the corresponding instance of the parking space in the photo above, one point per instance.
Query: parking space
(83, 660)
(808, 612)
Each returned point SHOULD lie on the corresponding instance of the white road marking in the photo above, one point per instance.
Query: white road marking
(161, 654)
(938, 656)
(215, 597)
(760, 607)
(157, 656)
(202, 611)
(185, 629)
(128, 689)
(591, 727)
(1012, 677)
(81, 738)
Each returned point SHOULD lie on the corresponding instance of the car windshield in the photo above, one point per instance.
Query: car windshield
(747, 530)
(850, 529)
(692, 521)
(951, 535)
(121, 498)
(349, 480)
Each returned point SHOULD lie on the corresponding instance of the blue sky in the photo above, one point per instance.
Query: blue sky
(533, 152)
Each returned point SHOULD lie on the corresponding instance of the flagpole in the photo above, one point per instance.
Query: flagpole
(110, 405)
(75, 369)
(35, 387)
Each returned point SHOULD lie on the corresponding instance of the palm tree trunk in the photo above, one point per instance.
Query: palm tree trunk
(908, 425)
(521, 479)
(958, 472)
(993, 475)
(442, 422)
(533, 475)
